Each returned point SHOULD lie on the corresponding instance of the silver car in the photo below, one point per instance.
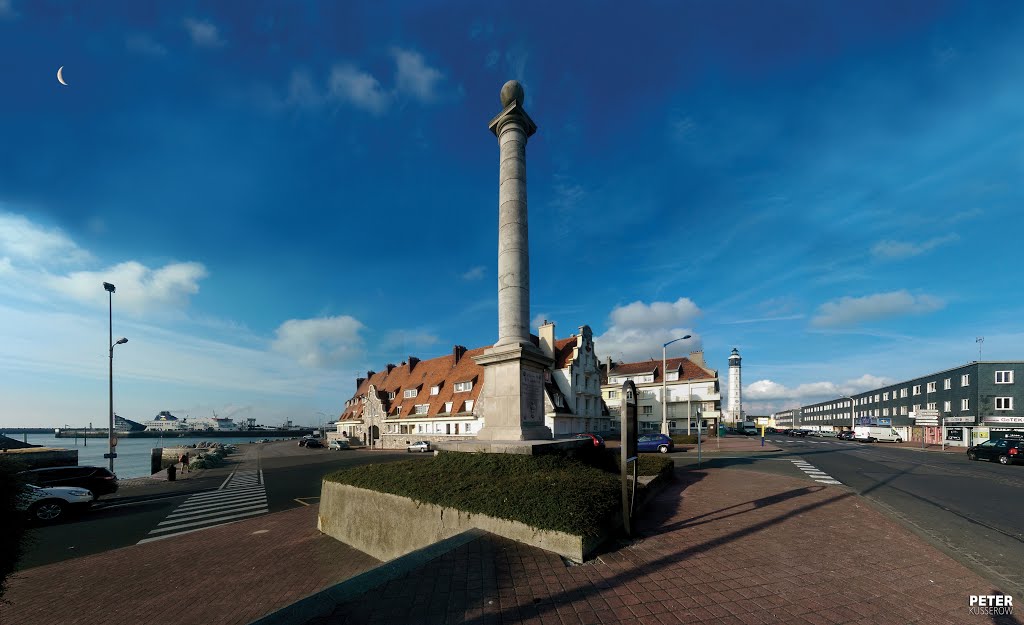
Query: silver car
(49, 505)
(419, 446)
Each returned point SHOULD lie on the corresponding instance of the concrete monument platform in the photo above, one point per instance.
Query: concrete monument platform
(525, 447)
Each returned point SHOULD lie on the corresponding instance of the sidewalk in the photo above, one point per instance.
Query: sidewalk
(717, 546)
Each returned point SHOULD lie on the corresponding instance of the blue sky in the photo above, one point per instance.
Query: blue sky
(288, 194)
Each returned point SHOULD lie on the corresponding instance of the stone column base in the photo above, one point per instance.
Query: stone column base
(512, 399)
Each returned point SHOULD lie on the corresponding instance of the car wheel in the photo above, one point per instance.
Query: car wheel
(1004, 459)
(871, 440)
(972, 456)
(47, 511)
(663, 449)
(899, 440)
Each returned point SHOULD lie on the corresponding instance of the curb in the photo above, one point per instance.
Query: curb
(322, 603)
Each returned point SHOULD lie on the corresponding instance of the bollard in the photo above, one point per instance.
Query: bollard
(172, 472)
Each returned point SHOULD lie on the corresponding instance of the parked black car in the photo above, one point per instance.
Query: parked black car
(313, 444)
(96, 479)
(1003, 451)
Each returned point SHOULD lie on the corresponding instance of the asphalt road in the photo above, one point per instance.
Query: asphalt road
(970, 510)
(291, 475)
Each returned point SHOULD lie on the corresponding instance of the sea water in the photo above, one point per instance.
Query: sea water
(133, 454)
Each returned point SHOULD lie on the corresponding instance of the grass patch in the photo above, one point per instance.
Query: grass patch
(549, 492)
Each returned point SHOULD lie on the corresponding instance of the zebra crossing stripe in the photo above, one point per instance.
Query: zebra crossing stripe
(233, 504)
(201, 515)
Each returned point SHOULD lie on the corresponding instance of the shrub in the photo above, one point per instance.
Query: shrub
(548, 492)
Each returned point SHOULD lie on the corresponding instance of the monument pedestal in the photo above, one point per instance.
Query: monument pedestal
(512, 399)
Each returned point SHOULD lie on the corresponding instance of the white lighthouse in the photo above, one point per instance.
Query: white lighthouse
(735, 409)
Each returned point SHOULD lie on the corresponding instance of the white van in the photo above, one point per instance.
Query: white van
(872, 433)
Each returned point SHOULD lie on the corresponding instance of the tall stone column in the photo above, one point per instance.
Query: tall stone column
(512, 400)
(512, 128)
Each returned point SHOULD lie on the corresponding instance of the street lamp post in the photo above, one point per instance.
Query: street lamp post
(664, 397)
(109, 288)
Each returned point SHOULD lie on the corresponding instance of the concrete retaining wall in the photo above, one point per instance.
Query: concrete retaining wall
(388, 526)
(42, 457)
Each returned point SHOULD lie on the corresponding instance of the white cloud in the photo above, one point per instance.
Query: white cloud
(323, 342)
(203, 33)
(414, 77)
(360, 89)
(638, 330)
(24, 241)
(139, 288)
(896, 250)
(811, 392)
(853, 310)
(475, 273)
(145, 44)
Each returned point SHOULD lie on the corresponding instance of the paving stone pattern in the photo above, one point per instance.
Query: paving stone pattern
(226, 575)
(720, 547)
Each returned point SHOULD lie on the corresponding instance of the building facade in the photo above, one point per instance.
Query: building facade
(437, 400)
(973, 402)
(693, 395)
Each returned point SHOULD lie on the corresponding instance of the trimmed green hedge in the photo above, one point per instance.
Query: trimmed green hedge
(548, 492)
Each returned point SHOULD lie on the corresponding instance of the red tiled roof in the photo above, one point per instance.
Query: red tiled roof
(563, 351)
(688, 370)
(425, 374)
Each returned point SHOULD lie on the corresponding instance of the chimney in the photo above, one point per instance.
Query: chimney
(546, 334)
(412, 362)
(369, 374)
(390, 367)
(458, 352)
(697, 358)
(608, 374)
(359, 382)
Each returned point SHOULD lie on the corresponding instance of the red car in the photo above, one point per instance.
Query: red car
(598, 441)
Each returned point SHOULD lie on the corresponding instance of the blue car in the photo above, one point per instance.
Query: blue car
(654, 442)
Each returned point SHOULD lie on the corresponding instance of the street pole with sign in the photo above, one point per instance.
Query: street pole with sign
(628, 453)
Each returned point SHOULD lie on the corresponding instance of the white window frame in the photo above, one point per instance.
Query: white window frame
(391, 394)
(965, 380)
(469, 405)
(932, 405)
(410, 393)
(932, 386)
(947, 406)
(903, 393)
(1004, 403)
(917, 389)
(463, 387)
(613, 394)
(448, 407)
(885, 396)
(647, 410)
(671, 376)
(434, 390)
(421, 409)
(947, 384)
(1007, 377)
(965, 404)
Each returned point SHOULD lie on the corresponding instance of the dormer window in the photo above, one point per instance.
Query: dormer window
(410, 393)
(448, 407)
(469, 405)
(421, 408)
(672, 376)
(391, 395)
(434, 390)
(463, 387)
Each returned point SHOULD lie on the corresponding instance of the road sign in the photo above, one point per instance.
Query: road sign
(113, 442)
(110, 455)
(927, 413)
(762, 420)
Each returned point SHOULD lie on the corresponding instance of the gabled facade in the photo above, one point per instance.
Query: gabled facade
(573, 385)
(692, 389)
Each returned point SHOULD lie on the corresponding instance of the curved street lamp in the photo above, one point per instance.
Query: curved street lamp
(664, 397)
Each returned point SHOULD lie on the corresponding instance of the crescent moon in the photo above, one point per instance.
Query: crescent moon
(60, 76)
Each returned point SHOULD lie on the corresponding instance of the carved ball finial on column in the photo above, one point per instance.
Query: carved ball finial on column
(512, 91)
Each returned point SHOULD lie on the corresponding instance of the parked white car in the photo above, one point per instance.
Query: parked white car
(873, 433)
(419, 446)
(48, 505)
